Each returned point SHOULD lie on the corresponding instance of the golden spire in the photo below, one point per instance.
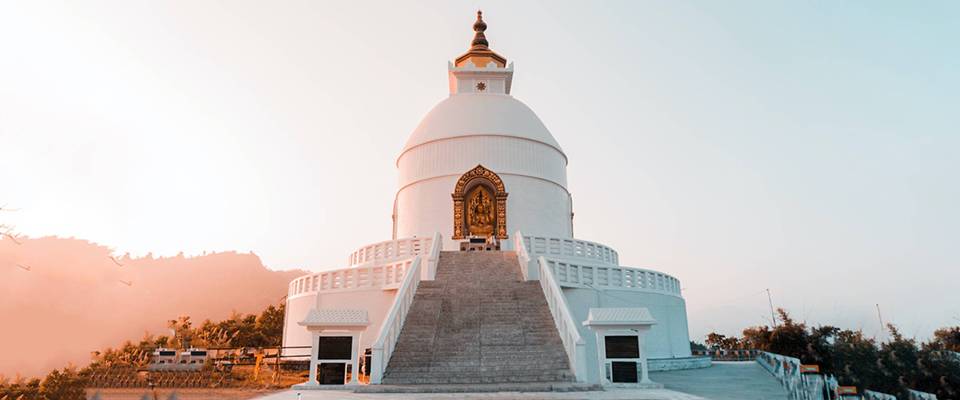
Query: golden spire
(480, 53)
(479, 40)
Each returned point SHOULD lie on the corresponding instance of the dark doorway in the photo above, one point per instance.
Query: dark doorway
(332, 373)
(624, 372)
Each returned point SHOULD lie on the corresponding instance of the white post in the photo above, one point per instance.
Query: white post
(355, 358)
(602, 357)
(644, 372)
(376, 367)
(314, 355)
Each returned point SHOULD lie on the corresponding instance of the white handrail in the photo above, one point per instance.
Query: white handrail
(785, 369)
(386, 341)
(613, 277)
(871, 395)
(918, 395)
(798, 386)
(569, 332)
(433, 257)
(523, 257)
(385, 275)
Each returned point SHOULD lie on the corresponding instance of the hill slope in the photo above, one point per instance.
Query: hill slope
(75, 299)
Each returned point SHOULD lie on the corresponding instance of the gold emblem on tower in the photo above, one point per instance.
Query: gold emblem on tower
(479, 205)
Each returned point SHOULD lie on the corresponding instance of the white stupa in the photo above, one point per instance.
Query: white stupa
(481, 165)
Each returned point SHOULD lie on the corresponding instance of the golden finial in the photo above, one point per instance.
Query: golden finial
(479, 27)
(480, 52)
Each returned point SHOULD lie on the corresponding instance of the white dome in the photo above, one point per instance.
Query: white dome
(468, 114)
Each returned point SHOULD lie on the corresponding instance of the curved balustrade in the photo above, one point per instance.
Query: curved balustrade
(382, 348)
(391, 249)
(380, 276)
(567, 248)
(613, 277)
(377, 267)
(569, 332)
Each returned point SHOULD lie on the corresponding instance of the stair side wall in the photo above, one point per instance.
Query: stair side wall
(669, 338)
(377, 302)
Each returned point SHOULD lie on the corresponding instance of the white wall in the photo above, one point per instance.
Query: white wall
(669, 338)
(377, 302)
(534, 206)
(533, 173)
(501, 154)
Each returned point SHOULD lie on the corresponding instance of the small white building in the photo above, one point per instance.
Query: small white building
(164, 359)
(482, 164)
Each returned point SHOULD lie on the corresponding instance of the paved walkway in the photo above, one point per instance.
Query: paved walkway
(609, 394)
(724, 381)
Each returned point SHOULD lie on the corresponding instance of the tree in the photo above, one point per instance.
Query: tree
(63, 385)
(946, 339)
(694, 346)
(757, 338)
(790, 337)
(181, 330)
(714, 341)
(270, 325)
(854, 361)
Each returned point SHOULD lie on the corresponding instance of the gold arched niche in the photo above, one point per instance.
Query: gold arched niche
(479, 205)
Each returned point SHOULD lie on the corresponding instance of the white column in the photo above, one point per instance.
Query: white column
(601, 358)
(314, 354)
(355, 358)
(644, 375)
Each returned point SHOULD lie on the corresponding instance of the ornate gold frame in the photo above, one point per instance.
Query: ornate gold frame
(479, 172)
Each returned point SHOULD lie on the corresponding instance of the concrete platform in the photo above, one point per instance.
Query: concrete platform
(480, 388)
(609, 394)
(745, 380)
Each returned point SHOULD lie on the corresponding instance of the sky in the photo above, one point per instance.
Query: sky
(806, 147)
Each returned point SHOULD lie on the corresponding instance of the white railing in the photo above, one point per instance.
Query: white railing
(613, 277)
(380, 268)
(785, 369)
(376, 276)
(871, 395)
(915, 395)
(567, 327)
(569, 248)
(386, 341)
(433, 257)
(527, 268)
(391, 249)
(801, 386)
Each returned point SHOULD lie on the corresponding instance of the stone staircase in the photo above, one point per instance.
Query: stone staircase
(478, 323)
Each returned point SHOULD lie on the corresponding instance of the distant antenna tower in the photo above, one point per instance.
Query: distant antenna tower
(880, 317)
(773, 316)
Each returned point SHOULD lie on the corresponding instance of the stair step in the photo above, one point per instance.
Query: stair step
(477, 323)
(481, 388)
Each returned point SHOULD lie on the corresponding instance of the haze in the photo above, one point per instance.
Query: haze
(809, 148)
